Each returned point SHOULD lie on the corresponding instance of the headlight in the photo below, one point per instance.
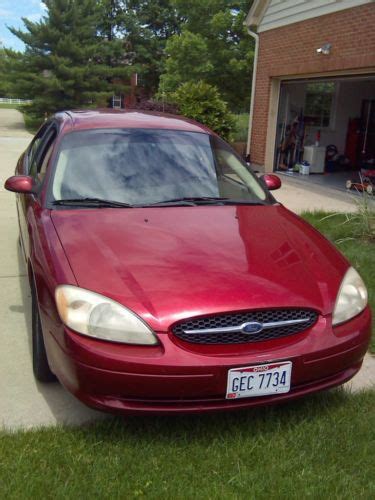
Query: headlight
(351, 299)
(97, 316)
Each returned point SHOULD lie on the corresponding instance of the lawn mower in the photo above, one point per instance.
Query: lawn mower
(366, 181)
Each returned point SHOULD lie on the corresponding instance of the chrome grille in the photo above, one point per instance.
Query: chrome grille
(304, 318)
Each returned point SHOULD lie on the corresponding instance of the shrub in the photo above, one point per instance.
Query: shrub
(156, 105)
(361, 221)
(202, 102)
(32, 121)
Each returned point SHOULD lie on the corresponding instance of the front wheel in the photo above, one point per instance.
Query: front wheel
(370, 189)
(348, 184)
(41, 369)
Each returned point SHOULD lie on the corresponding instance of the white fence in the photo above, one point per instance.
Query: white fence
(5, 100)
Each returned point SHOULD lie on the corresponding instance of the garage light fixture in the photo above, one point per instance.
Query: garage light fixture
(324, 49)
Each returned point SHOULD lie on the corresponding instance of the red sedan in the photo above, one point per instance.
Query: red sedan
(166, 278)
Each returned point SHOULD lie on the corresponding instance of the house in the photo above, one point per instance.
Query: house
(313, 96)
(128, 97)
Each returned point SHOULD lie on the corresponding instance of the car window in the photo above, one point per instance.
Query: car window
(233, 175)
(34, 148)
(42, 151)
(144, 166)
(45, 156)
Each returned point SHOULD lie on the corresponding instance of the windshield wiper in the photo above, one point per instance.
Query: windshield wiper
(92, 202)
(242, 202)
(186, 201)
(204, 200)
(189, 200)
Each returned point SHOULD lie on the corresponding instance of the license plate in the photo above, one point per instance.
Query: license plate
(259, 380)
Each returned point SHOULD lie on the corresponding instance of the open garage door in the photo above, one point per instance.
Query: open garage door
(326, 126)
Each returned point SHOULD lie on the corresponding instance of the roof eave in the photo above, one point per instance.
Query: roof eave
(256, 13)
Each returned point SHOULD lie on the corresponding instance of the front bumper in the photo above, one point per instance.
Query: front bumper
(179, 377)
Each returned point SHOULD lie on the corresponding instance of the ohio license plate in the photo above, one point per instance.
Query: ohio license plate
(259, 380)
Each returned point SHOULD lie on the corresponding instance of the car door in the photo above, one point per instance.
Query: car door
(38, 156)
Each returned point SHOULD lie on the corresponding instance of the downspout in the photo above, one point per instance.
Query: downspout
(252, 98)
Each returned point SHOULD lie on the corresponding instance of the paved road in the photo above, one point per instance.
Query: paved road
(23, 402)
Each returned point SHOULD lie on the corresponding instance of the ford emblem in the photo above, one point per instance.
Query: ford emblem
(252, 328)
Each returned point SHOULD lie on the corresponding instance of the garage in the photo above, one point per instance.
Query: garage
(326, 130)
(313, 88)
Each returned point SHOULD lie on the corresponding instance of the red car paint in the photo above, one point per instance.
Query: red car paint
(20, 184)
(272, 181)
(181, 262)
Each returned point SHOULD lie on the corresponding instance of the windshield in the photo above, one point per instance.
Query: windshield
(146, 166)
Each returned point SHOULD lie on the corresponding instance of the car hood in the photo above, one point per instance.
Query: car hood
(170, 263)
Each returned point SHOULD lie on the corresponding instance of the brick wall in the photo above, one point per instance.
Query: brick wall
(291, 50)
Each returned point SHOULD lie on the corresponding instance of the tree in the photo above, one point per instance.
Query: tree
(5, 89)
(70, 58)
(83, 50)
(222, 50)
(188, 59)
(147, 25)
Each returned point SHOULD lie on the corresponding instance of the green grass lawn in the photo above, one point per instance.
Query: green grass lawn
(360, 253)
(320, 447)
(3, 105)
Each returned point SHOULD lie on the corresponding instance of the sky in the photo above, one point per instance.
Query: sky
(11, 12)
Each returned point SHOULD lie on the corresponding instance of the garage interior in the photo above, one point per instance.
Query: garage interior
(326, 131)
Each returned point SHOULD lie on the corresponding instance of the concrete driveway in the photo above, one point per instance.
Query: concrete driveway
(23, 402)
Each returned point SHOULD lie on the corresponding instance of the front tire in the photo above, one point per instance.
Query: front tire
(41, 369)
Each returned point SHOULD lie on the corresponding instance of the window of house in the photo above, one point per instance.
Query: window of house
(319, 103)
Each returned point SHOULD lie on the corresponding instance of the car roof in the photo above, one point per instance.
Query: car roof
(112, 118)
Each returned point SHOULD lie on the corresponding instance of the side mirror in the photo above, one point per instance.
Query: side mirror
(271, 181)
(23, 184)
